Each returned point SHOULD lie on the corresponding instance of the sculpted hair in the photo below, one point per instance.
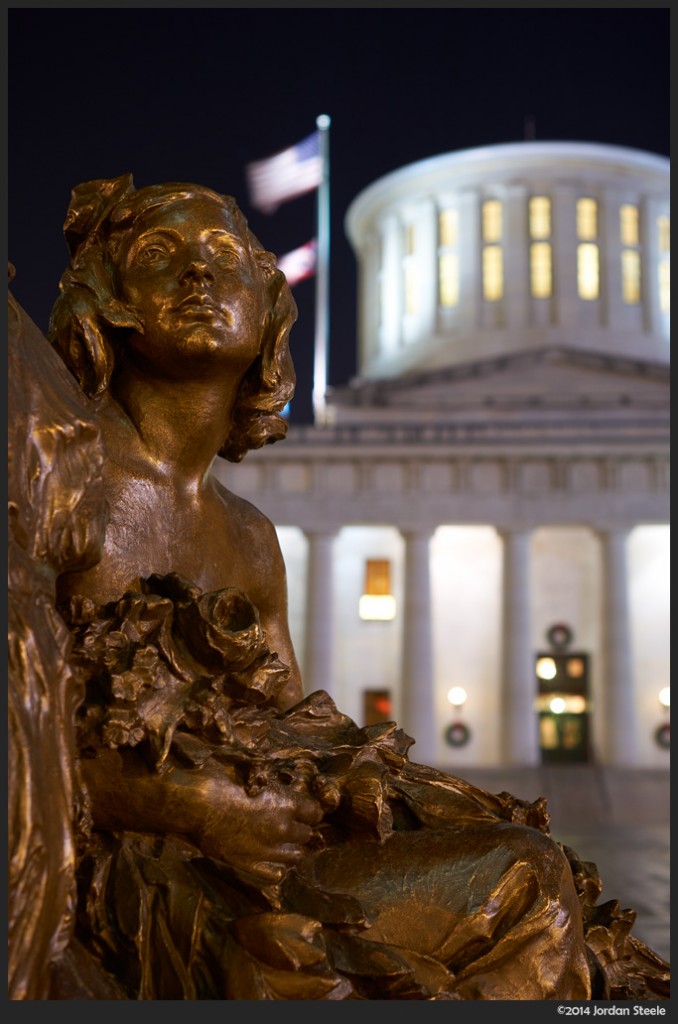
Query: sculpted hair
(89, 320)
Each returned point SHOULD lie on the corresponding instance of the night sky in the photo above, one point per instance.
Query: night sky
(194, 94)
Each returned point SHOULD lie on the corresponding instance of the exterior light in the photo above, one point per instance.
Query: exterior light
(380, 607)
(665, 696)
(546, 668)
(457, 696)
(575, 668)
(377, 602)
(572, 703)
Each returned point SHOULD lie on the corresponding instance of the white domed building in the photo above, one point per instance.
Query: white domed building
(477, 539)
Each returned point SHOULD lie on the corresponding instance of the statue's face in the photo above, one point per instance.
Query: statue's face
(189, 276)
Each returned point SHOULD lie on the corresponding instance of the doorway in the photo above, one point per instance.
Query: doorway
(563, 707)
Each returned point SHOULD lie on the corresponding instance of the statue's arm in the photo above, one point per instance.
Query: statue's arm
(261, 836)
(267, 589)
(272, 606)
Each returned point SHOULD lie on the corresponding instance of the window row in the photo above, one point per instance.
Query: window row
(540, 254)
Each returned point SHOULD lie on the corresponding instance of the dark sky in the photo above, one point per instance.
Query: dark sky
(194, 94)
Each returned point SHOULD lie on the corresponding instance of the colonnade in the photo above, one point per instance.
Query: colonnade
(417, 683)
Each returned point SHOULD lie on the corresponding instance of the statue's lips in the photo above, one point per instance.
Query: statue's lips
(195, 305)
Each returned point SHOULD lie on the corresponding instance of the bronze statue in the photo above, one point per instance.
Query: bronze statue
(240, 840)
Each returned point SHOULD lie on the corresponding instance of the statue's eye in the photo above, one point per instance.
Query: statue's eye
(154, 253)
(226, 256)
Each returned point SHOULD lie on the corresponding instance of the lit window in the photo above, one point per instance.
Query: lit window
(628, 224)
(630, 256)
(448, 227)
(588, 261)
(377, 707)
(448, 261)
(540, 250)
(664, 232)
(587, 219)
(540, 217)
(493, 273)
(377, 602)
(448, 266)
(492, 220)
(587, 271)
(630, 275)
(540, 269)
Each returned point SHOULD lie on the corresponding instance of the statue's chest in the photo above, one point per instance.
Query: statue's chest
(174, 533)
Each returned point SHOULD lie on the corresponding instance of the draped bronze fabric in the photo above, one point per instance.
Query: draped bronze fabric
(416, 885)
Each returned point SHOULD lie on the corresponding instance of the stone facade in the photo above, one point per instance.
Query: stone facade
(508, 457)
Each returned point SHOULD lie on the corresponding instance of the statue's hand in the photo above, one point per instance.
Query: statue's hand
(260, 836)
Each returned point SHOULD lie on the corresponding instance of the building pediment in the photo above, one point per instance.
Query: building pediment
(557, 379)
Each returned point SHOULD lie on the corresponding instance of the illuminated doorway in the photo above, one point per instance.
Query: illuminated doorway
(563, 707)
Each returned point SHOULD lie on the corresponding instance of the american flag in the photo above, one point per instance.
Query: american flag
(300, 263)
(286, 175)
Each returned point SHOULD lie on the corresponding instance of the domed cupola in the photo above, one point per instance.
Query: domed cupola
(509, 249)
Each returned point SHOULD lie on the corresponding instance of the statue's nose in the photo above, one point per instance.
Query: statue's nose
(196, 270)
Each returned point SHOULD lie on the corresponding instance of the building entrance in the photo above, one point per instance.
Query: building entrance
(563, 707)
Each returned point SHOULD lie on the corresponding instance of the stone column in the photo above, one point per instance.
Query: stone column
(470, 276)
(519, 718)
(649, 271)
(516, 257)
(426, 257)
(417, 693)
(369, 299)
(318, 662)
(564, 238)
(617, 710)
(612, 303)
(392, 291)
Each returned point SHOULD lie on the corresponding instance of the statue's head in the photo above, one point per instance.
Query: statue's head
(175, 262)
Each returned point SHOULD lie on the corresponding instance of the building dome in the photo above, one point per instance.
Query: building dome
(513, 248)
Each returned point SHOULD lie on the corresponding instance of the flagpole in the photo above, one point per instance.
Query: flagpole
(322, 305)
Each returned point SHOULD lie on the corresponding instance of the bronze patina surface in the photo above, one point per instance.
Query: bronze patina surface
(184, 822)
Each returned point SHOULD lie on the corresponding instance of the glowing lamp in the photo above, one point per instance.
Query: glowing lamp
(546, 668)
(457, 696)
(380, 607)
